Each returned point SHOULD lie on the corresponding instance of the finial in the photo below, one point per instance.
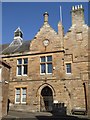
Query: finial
(46, 17)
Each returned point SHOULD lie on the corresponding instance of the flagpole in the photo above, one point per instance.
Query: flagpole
(60, 14)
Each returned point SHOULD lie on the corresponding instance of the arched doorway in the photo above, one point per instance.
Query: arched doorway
(46, 99)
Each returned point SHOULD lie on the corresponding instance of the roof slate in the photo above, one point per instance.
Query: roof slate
(25, 47)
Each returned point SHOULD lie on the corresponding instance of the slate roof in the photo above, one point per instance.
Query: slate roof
(7, 49)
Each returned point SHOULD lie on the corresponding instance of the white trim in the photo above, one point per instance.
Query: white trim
(15, 97)
(46, 65)
(22, 95)
(22, 67)
(21, 88)
(66, 68)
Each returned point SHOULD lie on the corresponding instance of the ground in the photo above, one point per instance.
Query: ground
(15, 115)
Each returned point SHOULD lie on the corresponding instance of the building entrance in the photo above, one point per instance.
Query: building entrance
(46, 99)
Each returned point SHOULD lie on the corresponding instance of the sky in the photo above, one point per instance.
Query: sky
(29, 17)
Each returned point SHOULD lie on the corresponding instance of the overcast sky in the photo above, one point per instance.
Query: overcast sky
(29, 17)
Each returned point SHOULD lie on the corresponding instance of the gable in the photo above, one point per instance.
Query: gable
(46, 33)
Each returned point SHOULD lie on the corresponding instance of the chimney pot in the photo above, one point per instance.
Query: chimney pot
(72, 7)
(78, 7)
(81, 6)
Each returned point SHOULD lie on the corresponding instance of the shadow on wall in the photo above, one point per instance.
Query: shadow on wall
(59, 112)
(8, 105)
(60, 118)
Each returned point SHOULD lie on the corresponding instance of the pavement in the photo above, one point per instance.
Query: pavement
(17, 115)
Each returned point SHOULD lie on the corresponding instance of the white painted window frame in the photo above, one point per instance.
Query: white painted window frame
(22, 67)
(22, 95)
(66, 68)
(16, 95)
(46, 64)
(21, 102)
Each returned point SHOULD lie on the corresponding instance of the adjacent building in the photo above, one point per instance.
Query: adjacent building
(50, 69)
(4, 85)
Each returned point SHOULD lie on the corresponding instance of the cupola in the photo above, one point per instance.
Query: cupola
(18, 33)
(18, 37)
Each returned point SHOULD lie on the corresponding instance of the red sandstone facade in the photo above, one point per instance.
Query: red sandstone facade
(52, 68)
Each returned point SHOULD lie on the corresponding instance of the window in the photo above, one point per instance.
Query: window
(46, 65)
(22, 66)
(20, 95)
(17, 95)
(68, 68)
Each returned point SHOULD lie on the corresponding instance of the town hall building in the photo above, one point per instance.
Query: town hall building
(50, 69)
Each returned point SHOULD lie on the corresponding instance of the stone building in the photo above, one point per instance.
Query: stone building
(4, 80)
(50, 69)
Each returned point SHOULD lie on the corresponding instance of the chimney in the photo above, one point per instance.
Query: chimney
(77, 15)
(61, 34)
(45, 17)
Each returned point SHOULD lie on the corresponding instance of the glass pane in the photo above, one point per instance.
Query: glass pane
(68, 65)
(43, 68)
(19, 61)
(17, 99)
(49, 68)
(49, 58)
(19, 70)
(24, 99)
(17, 94)
(23, 94)
(17, 90)
(25, 69)
(42, 59)
(24, 91)
(25, 60)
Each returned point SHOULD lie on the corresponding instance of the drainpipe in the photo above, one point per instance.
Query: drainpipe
(85, 92)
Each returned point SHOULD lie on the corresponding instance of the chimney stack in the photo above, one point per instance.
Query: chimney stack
(45, 17)
(77, 15)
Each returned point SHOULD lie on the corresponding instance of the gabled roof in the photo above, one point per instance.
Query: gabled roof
(7, 49)
(46, 27)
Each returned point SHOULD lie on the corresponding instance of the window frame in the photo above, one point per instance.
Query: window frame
(67, 68)
(16, 95)
(20, 102)
(46, 62)
(22, 95)
(22, 67)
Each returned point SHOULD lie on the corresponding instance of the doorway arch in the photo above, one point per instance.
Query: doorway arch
(46, 99)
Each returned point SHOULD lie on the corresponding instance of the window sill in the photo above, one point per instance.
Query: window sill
(23, 103)
(46, 74)
(68, 73)
(21, 75)
(17, 103)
